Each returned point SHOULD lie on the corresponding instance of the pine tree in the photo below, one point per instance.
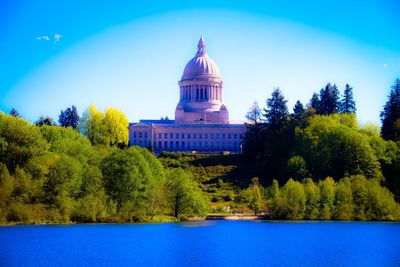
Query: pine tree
(329, 100)
(314, 102)
(276, 113)
(45, 121)
(69, 117)
(347, 104)
(390, 116)
(298, 110)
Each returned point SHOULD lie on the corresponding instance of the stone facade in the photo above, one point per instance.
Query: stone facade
(201, 119)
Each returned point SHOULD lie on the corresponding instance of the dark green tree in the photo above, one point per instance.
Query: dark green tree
(390, 116)
(298, 110)
(276, 114)
(314, 102)
(69, 117)
(329, 100)
(347, 104)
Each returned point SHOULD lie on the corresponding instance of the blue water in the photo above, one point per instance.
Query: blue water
(210, 243)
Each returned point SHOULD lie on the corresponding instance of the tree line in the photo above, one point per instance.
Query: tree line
(53, 174)
(324, 139)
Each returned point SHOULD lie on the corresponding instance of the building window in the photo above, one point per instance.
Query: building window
(140, 134)
(205, 136)
(165, 144)
(171, 144)
(229, 136)
(194, 136)
(212, 136)
(217, 135)
(188, 135)
(235, 136)
(145, 134)
(177, 144)
(165, 135)
(223, 136)
(171, 135)
(182, 135)
(159, 136)
(183, 144)
(176, 135)
(199, 136)
(159, 144)
(241, 136)
(134, 134)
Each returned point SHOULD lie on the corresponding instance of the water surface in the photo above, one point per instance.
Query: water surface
(210, 243)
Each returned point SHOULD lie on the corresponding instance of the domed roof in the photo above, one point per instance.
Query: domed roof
(201, 64)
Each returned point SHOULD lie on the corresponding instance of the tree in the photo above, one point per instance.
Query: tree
(20, 141)
(276, 113)
(327, 189)
(185, 196)
(314, 102)
(14, 113)
(297, 168)
(69, 117)
(92, 126)
(116, 127)
(298, 110)
(313, 199)
(275, 205)
(329, 100)
(45, 121)
(254, 114)
(390, 116)
(252, 148)
(294, 198)
(347, 104)
(344, 206)
(253, 195)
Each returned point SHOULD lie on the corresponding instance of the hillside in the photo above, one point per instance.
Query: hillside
(221, 176)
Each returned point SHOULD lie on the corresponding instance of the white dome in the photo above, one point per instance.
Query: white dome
(201, 65)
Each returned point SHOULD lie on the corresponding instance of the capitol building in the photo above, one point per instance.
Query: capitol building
(201, 119)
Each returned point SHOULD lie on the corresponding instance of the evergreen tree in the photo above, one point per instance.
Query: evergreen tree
(276, 113)
(390, 116)
(14, 113)
(69, 117)
(314, 102)
(298, 110)
(329, 100)
(348, 105)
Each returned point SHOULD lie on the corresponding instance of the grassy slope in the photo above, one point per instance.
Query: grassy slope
(221, 176)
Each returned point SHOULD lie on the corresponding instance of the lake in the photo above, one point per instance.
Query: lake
(209, 243)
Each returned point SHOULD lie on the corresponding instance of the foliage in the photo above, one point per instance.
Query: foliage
(45, 121)
(347, 104)
(276, 113)
(69, 117)
(390, 116)
(254, 196)
(351, 198)
(109, 128)
(14, 113)
(184, 194)
(329, 100)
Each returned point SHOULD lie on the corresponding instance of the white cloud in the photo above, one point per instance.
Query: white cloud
(385, 65)
(57, 38)
(44, 37)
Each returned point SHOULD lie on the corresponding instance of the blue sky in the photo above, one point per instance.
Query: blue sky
(131, 54)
